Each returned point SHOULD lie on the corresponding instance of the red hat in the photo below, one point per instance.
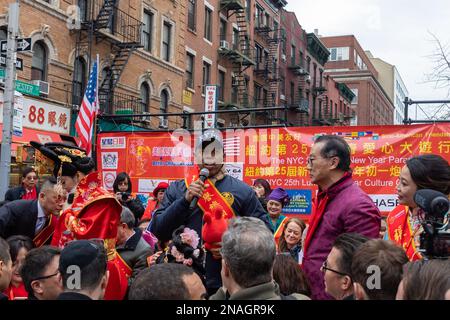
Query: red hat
(160, 186)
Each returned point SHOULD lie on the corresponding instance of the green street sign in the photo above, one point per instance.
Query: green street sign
(2, 73)
(27, 88)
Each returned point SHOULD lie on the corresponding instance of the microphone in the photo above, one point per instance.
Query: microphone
(432, 202)
(203, 175)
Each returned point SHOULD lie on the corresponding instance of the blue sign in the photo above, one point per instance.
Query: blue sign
(301, 202)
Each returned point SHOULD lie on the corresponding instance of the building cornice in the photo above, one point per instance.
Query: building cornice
(47, 8)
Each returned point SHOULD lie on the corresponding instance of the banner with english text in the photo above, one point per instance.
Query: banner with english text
(278, 155)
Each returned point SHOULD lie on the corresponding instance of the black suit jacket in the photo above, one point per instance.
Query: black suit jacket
(18, 217)
(17, 193)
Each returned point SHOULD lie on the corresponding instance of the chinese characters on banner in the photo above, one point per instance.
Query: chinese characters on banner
(279, 155)
(210, 105)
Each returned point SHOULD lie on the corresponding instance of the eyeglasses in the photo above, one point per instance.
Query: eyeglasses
(310, 160)
(46, 277)
(324, 268)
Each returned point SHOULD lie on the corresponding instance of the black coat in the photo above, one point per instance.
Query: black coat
(17, 193)
(72, 296)
(18, 218)
(174, 212)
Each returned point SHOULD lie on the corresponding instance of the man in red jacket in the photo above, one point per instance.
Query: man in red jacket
(340, 207)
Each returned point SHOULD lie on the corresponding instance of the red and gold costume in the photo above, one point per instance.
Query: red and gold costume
(399, 230)
(95, 214)
(279, 231)
(16, 293)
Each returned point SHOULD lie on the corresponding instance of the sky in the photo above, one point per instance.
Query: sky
(397, 31)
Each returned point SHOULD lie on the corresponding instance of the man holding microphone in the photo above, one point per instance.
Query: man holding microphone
(185, 201)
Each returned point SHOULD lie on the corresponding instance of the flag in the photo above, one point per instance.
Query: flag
(88, 111)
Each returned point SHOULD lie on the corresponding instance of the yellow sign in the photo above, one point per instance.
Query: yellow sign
(187, 97)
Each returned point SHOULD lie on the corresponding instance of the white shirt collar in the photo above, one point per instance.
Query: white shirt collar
(41, 212)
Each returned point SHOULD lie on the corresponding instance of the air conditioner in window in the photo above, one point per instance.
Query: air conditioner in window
(44, 87)
(163, 123)
(146, 119)
(283, 57)
(224, 44)
(308, 78)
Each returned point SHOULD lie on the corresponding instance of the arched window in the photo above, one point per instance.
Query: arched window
(145, 97)
(39, 62)
(79, 81)
(164, 102)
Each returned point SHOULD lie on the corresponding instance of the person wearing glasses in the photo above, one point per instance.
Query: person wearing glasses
(340, 206)
(28, 190)
(40, 273)
(337, 268)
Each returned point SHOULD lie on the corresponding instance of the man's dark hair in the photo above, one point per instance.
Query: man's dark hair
(161, 282)
(18, 242)
(5, 256)
(26, 171)
(426, 279)
(347, 244)
(35, 263)
(91, 273)
(382, 255)
(335, 146)
(127, 217)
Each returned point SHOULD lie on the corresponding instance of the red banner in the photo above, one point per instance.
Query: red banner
(277, 154)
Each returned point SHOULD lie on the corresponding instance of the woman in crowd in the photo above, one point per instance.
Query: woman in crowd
(403, 223)
(289, 276)
(158, 196)
(18, 249)
(291, 241)
(122, 189)
(276, 201)
(28, 190)
(262, 190)
(425, 280)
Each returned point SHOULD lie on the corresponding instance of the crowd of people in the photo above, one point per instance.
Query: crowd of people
(70, 239)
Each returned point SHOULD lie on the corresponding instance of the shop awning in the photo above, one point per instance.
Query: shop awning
(31, 135)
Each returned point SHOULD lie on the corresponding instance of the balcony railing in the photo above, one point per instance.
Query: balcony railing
(121, 103)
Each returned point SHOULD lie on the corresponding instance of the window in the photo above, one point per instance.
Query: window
(192, 14)
(282, 87)
(223, 29)
(258, 57)
(234, 88)
(190, 70)
(257, 97)
(206, 75)
(339, 54)
(39, 61)
(301, 59)
(275, 28)
(248, 8)
(79, 81)
(292, 93)
(163, 107)
(83, 5)
(221, 85)
(147, 30)
(266, 20)
(208, 24)
(235, 39)
(3, 33)
(145, 97)
(292, 55)
(355, 98)
(259, 17)
(265, 97)
(167, 38)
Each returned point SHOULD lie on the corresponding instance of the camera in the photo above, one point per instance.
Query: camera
(125, 196)
(435, 238)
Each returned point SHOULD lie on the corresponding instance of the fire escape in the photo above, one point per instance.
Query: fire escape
(239, 54)
(300, 103)
(267, 68)
(103, 21)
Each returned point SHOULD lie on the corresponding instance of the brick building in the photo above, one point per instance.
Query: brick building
(140, 46)
(349, 64)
